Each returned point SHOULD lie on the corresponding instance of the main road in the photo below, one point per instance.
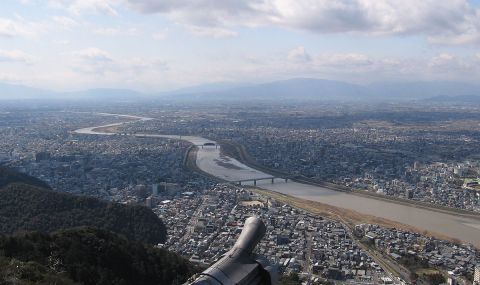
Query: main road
(463, 227)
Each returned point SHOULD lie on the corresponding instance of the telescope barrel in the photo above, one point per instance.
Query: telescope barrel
(238, 266)
(253, 231)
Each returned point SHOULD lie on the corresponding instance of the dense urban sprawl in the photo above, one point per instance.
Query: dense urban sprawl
(404, 159)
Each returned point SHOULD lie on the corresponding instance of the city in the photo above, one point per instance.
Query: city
(203, 217)
(239, 142)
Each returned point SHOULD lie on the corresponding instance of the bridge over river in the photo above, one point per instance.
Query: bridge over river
(209, 159)
(255, 181)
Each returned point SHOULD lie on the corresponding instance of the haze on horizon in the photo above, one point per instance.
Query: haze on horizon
(152, 45)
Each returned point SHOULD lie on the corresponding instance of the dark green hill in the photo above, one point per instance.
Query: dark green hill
(8, 176)
(28, 208)
(104, 243)
(87, 256)
(27, 204)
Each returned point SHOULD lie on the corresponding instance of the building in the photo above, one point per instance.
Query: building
(155, 189)
(148, 202)
(476, 275)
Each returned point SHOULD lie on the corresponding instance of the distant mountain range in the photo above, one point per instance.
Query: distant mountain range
(453, 99)
(292, 89)
(20, 92)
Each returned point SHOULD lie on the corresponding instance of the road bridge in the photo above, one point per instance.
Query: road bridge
(207, 144)
(255, 180)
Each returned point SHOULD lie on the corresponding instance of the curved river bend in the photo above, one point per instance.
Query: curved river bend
(209, 159)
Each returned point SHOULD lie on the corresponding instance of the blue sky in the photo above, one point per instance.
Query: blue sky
(154, 45)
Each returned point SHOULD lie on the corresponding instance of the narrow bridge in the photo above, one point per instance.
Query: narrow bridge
(271, 178)
(209, 145)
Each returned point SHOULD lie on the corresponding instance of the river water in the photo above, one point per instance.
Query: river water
(210, 160)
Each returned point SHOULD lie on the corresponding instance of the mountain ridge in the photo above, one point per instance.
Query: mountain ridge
(289, 89)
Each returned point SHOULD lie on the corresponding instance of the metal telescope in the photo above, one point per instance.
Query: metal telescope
(238, 266)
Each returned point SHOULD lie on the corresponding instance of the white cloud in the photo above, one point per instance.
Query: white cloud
(15, 56)
(61, 42)
(79, 7)
(106, 32)
(452, 39)
(97, 62)
(442, 60)
(95, 69)
(213, 32)
(454, 67)
(204, 17)
(138, 65)
(446, 22)
(18, 26)
(92, 61)
(21, 27)
(64, 22)
(94, 55)
(344, 59)
(160, 35)
(115, 32)
(8, 28)
(299, 54)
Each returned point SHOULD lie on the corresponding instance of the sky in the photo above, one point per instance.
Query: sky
(158, 45)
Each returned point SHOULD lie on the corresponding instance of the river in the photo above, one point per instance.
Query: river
(210, 160)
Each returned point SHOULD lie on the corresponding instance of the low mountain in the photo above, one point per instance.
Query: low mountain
(21, 92)
(330, 90)
(87, 256)
(454, 99)
(422, 89)
(204, 89)
(26, 206)
(292, 89)
(104, 94)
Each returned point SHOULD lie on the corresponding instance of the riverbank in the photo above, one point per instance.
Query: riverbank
(346, 216)
(349, 217)
(239, 152)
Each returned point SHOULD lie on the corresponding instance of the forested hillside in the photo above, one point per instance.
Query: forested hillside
(87, 256)
(29, 208)
(47, 237)
(9, 176)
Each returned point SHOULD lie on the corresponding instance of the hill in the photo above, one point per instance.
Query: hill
(9, 176)
(28, 208)
(21, 92)
(417, 90)
(457, 99)
(104, 94)
(26, 205)
(87, 256)
(291, 89)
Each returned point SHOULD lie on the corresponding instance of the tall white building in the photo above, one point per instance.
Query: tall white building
(476, 275)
